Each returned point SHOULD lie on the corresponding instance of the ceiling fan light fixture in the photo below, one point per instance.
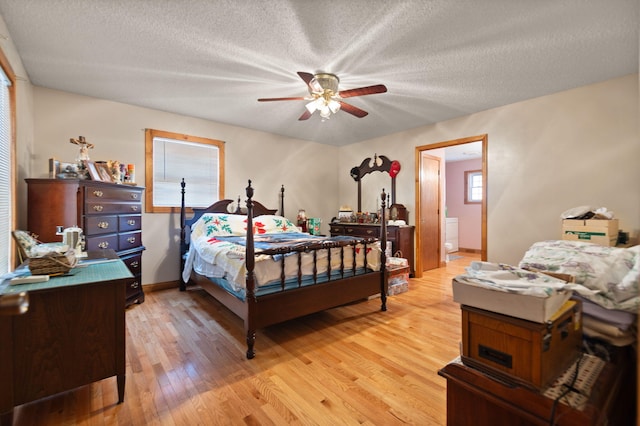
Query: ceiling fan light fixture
(325, 113)
(314, 105)
(325, 97)
(323, 82)
(334, 106)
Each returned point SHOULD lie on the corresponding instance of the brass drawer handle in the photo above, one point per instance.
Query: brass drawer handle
(134, 196)
(135, 264)
(103, 244)
(369, 231)
(98, 193)
(131, 222)
(349, 229)
(135, 284)
(131, 239)
(98, 208)
(134, 208)
(103, 225)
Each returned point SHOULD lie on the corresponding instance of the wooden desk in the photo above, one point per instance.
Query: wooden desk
(73, 334)
(474, 398)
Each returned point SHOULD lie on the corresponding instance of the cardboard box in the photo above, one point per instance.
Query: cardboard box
(525, 352)
(530, 308)
(397, 288)
(597, 231)
(397, 277)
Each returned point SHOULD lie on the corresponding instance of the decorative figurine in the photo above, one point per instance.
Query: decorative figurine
(83, 155)
(84, 148)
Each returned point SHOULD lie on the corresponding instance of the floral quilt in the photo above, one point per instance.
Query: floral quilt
(607, 276)
(219, 240)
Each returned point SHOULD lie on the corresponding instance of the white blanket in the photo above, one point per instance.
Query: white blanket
(608, 276)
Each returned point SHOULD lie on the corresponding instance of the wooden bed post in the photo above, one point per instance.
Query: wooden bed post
(282, 201)
(250, 294)
(383, 255)
(183, 241)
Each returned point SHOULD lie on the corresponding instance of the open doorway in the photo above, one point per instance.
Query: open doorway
(430, 200)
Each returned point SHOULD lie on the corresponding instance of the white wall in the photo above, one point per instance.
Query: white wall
(308, 170)
(24, 117)
(545, 155)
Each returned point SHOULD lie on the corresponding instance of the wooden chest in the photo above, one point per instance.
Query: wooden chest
(530, 353)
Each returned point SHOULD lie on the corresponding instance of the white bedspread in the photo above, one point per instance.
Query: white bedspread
(507, 278)
(221, 259)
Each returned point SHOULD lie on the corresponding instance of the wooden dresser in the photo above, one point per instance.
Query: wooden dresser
(401, 237)
(110, 216)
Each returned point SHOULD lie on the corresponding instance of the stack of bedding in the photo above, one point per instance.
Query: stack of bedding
(606, 280)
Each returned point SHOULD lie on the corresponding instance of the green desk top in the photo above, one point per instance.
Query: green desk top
(84, 273)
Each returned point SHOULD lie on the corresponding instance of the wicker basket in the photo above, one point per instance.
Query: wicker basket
(53, 263)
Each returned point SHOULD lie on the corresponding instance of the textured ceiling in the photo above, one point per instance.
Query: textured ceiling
(439, 59)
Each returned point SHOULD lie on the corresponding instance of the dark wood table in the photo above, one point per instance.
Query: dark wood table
(73, 333)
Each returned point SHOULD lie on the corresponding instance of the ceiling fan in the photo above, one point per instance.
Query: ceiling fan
(325, 97)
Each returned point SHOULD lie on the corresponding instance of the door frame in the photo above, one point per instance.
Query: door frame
(418, 159)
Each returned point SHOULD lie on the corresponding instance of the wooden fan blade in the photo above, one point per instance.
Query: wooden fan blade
(305, 76)
(313, 85)
(305, 116)
(361, 91)
(353, 110)
(299, 98)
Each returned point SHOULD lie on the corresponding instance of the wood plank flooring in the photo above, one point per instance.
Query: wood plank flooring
(349, 365)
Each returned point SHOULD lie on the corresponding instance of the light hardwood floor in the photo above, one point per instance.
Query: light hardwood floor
(349, 365)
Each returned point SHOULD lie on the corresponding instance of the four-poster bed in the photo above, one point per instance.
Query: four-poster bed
(280, 274)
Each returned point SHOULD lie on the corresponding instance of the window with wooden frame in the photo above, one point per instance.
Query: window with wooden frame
(171, 157)
(7, 163)
(473, 187)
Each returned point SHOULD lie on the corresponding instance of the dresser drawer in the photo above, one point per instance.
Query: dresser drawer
(99, 242)
(336, 230)
(106, 207)
(95, 225)
(134, 288)
(129, 240)
(130, 222)
(359, 231)
(118, 193)
(134, 263)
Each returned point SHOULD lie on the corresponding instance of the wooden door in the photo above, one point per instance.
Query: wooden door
(429, 211)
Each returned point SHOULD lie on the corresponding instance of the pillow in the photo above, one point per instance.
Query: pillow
(30, 247)
(25, 240)
(267, 224)
(220, 224)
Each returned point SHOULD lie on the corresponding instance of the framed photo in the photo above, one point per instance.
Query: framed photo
(54, 168)
(103, 171)
(94, 174)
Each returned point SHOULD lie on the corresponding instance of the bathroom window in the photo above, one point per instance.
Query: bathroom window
(473, 187)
